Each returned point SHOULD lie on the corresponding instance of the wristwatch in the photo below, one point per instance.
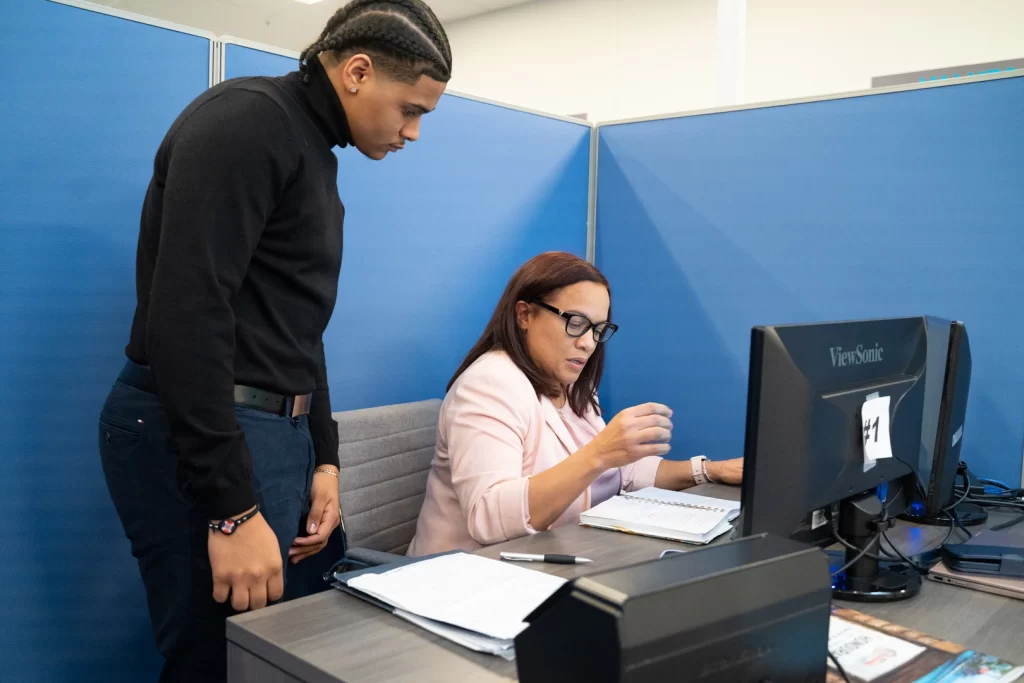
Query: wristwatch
(228, 526)
(699, 469)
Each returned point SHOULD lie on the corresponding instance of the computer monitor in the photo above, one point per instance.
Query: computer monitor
(805, 474)
(947, 381)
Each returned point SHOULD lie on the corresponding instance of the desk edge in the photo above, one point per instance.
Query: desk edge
(277, 656)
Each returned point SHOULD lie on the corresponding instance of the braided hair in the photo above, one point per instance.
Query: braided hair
(403, 37)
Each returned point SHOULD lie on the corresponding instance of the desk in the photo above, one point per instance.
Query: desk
(332, 637)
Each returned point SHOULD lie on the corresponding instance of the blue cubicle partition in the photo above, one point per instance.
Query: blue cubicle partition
(242, 60)
(903, 203)
(433, 233)
(87, 99)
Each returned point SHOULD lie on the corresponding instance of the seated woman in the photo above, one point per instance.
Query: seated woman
(521, 444)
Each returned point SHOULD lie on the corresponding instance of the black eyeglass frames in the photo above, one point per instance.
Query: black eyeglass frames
(576, 325)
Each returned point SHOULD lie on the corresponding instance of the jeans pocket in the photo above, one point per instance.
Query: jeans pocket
(119, 445)
(119, 427)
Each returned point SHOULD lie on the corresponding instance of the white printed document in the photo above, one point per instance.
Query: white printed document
(488, 597)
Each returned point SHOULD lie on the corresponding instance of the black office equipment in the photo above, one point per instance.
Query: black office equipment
(996, 553)
(804, 471)
(756, 609)
(947, 381)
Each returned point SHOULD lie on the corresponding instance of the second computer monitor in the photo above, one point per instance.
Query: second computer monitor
(804, 450)
(948, 379)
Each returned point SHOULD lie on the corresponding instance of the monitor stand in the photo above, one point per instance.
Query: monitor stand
(969, 514)
(868, 579)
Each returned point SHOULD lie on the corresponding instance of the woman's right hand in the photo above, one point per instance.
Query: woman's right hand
(633, 434)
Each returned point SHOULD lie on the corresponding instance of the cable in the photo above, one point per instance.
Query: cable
(849, 546)
(926, 557)
(967, 491)
(999, 503)
(1007, 502)
(875, 541)
(956, 518)
(996, 492)
(1012, 522)
(885, 506)
(856, 559)
(880, 558)
(920, 569)
(839, 667)
(952, 526)
(1007, 495)
(952, 508)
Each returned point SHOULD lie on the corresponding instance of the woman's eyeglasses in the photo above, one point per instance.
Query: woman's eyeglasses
(576, 325)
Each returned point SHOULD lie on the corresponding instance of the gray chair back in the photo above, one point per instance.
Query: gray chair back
(385, 455)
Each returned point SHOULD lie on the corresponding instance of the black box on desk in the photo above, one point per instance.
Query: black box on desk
(756, 609)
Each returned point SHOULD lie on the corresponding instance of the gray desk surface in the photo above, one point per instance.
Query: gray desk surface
(332, 636)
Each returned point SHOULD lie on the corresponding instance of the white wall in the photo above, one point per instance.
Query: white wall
(606, 58)
(802, 48)
(282, 23)
(623, 58)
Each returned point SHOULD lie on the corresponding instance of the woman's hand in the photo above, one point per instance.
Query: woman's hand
(726, 471)
(633, 434)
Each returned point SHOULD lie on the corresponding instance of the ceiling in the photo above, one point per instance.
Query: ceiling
(289, 24)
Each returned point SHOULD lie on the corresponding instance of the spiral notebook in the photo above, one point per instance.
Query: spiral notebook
(673, 515)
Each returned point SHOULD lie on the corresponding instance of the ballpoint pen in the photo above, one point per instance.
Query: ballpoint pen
(550, 559)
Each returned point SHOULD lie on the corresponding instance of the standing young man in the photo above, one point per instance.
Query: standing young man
(217, 438)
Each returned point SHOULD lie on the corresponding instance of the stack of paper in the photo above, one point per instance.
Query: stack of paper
(479, 603)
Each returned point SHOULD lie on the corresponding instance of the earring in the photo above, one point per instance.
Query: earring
(355, 90)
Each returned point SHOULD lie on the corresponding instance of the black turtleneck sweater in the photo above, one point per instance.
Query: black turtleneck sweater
(237, 269)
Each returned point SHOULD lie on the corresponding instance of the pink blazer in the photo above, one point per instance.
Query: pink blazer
(493, 434)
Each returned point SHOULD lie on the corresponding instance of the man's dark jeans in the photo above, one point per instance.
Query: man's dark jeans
(168, 533)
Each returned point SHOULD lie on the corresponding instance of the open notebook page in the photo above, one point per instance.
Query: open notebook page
(652, 493)
(627, 510)
(472, 592)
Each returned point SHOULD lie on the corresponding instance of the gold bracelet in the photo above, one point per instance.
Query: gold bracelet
(326, 471)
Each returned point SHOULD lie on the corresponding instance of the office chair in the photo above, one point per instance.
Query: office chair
(384, 455)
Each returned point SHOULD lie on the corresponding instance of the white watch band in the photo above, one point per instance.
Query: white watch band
(698, 467)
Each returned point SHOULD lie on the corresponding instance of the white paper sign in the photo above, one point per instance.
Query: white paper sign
(875, 430)
(865, 653)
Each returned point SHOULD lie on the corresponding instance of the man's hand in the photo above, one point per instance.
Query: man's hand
(246, 565)
(324, 515)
